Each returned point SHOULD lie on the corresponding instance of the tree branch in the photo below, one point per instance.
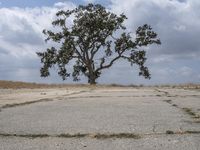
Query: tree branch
(78, 53)
(109, 65)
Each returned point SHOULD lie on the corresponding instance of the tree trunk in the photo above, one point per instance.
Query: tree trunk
(92, 79)
(92, 82)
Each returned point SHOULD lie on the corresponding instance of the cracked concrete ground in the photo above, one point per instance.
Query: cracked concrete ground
(113, 113)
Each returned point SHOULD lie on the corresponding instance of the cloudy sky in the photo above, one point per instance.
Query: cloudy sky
(177, 23)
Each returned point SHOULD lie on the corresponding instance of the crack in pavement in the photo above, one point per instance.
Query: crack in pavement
(189, 111)
(61, 97)
(167, 94)
(111, 96)
(99, 135)
(164, 92)
(25, 103)
(78, 135)
(37, 101)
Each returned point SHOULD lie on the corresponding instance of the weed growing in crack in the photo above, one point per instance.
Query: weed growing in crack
(158, 95)
(119, 135)
(25, 103)
(168, 101)
(78, 135)
(25, 135)
(170, 132)
(175, 105)
(191, 113)
(193, 132)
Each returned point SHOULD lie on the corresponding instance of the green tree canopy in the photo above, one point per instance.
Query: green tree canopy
(91, 41)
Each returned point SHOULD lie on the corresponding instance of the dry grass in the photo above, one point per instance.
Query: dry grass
(18, 84)
(21, 85)
(28, 85)
(182, 86)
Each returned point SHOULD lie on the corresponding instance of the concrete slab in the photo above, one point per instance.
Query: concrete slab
(90, 115)
(148, 112)
(170, 142)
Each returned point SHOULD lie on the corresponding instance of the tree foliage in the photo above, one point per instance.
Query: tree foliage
(96, 39)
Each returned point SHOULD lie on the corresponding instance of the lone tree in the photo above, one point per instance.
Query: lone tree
(93, 44)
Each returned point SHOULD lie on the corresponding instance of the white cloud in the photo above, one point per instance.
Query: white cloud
(89, 1)
(163, 59)
(23, 26)
(68, 5)
(176, 22)
(21, 36)
(198, 76)
(185, 71)
(180, 27)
